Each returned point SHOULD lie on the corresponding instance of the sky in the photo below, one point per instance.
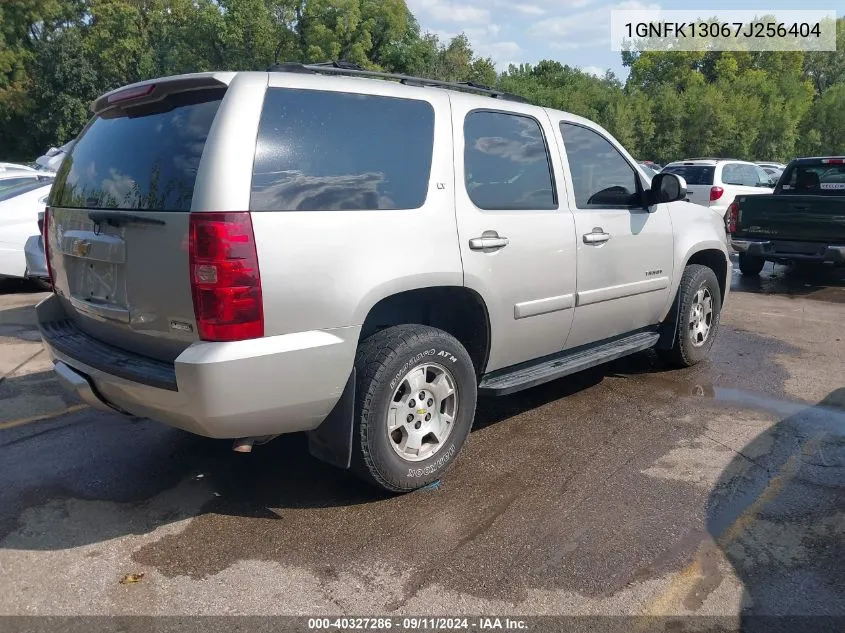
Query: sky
(574, 32)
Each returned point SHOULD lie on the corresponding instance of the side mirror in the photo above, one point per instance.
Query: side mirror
(667, 188)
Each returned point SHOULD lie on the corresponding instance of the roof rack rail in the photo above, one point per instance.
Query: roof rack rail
(710, 158)
(354, 70)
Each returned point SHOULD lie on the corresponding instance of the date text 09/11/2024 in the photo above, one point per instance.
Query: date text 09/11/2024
(726, 30)
(417, 624)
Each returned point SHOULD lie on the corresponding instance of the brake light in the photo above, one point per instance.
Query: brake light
(833, 161)
(45, 238)
(732, 217)
(716, 193)
(225, 280)
(131, 93)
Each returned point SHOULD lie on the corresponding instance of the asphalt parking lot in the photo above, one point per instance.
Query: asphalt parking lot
(631, 489)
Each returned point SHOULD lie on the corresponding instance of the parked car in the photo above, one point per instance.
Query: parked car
(771, 165)
(19, 207)
(11, 179)
(36, 261)
(651, 165)
(4, 167)
(715, 182)
(650, 171)
(774, 173)
(800, 222)
(301, 250)
(52, 159)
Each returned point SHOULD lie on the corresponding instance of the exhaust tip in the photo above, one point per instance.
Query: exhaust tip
(245, 444)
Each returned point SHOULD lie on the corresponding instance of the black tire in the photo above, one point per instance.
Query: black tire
(382, 361)
(683, 352)
(750, 264)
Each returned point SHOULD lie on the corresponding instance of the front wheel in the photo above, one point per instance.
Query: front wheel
(696, 319)
(415, 403)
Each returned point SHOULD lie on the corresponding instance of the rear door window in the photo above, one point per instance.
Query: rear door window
(506, 163)
(142, 158)
(693, 174)
(326, 151)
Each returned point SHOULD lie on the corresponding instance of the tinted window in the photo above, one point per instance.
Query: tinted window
(743, 175)
(814, 179)
(142, 157)
(601, 177)
(322, 150)
(693, 174)
(506, 162)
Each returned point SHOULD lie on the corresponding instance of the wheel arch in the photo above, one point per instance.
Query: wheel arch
(458, 310)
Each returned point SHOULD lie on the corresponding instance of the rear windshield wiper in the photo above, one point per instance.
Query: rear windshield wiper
(116, 219)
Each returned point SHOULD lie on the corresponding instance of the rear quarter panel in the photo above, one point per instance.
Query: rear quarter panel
(326, 269)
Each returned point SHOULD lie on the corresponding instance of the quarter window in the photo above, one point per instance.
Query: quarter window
(601, 177)
(506, 163)
(327, 151)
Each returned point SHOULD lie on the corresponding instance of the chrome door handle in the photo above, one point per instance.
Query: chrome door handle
(597, 236)
(490, 240)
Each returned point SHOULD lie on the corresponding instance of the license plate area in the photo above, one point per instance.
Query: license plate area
(95, 268)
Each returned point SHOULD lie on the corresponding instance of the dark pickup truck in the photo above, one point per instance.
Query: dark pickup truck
(802, 221)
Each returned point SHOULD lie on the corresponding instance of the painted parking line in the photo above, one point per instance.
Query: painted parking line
(11, 424)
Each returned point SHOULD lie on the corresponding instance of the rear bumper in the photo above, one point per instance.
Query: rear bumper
(775, 250)
(36, 262)
(277, 384)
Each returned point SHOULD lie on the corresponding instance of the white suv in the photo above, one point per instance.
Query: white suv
(715, 182)
(248, 254)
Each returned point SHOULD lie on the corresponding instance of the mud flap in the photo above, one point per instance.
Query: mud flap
(669, 328)
(331, 442)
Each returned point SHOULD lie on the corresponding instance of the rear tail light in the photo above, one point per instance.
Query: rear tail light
(732, 217)
(833, 161)
(45, 238)
(225, 280)
(716, 193)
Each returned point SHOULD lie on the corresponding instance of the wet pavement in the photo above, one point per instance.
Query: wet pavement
(630, 489)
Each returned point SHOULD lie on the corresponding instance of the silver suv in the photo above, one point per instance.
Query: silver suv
(321, 249)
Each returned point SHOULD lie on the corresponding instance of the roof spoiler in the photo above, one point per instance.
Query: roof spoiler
(154, 90)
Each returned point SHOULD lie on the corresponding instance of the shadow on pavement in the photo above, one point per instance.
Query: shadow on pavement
(820, 283)
(778, 516)
(157, 475)
(10, 285)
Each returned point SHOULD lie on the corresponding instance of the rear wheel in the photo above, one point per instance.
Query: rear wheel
(415, 403)
(750, 264)
(696, 320)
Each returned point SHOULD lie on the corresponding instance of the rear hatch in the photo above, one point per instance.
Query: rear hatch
(699, 181)
(792, 218)
(808, 204)
(118, 227)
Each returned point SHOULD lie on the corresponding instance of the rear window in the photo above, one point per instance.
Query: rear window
(693, 174)
(326, 151)
(141, 158)
(815, 179)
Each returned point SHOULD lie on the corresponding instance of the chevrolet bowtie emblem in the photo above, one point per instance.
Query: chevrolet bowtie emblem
(81, 248)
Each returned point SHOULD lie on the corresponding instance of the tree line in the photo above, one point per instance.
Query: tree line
(56, 56)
